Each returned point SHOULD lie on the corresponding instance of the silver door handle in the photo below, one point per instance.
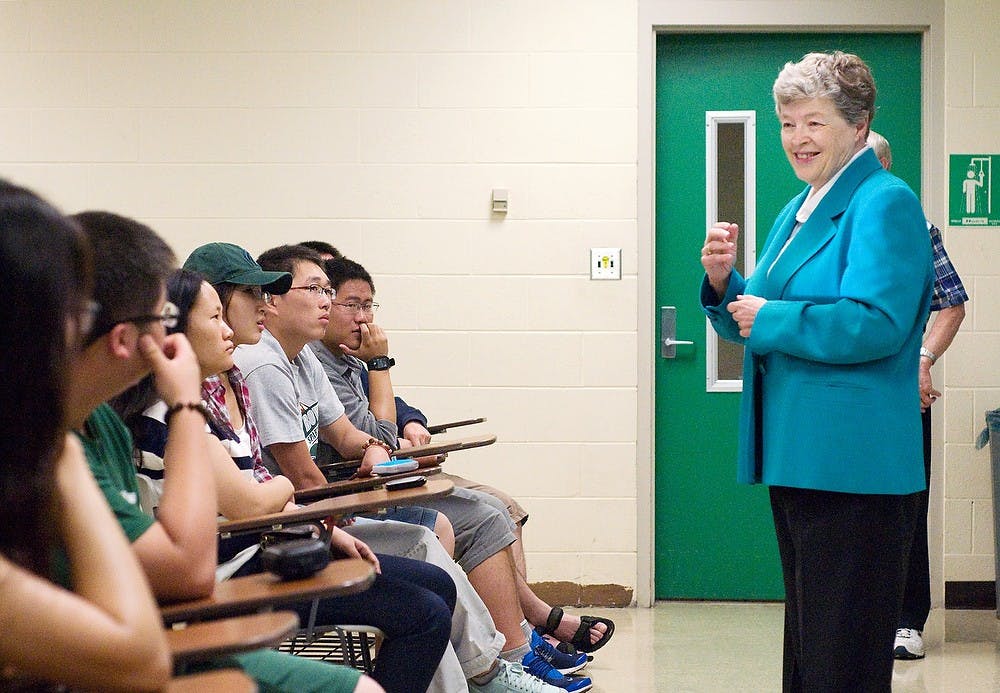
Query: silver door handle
(668, 330)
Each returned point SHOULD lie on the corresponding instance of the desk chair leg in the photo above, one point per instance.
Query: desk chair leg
(368, 639)
(353, 646)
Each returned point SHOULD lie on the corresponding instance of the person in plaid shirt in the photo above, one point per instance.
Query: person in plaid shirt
(949, 302)
(213, 393)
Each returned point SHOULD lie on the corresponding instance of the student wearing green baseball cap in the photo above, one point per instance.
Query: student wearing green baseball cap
(243, 287)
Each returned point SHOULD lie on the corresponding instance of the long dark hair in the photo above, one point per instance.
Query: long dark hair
(183, 288)
(46, 265)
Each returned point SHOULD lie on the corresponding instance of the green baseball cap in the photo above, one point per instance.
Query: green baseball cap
(225, 262)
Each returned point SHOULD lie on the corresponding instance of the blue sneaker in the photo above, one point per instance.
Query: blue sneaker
(563, 663)
(538, 667)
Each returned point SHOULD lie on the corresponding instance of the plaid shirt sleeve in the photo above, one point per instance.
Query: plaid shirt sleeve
(948, 288)
(213, 392)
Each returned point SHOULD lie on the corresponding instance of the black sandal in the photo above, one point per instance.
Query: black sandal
(581, 638)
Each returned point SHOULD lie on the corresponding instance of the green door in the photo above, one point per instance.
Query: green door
(714, 538)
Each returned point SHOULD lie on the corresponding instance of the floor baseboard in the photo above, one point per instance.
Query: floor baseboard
(573, 594)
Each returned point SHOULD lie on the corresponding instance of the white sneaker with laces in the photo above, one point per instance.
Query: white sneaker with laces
(512, 678)
(909, 644)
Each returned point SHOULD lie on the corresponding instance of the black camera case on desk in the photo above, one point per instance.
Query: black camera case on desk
(296, 559)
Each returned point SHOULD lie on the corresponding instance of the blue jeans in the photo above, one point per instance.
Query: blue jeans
(411, 602)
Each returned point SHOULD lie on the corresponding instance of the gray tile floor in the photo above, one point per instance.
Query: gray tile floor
(709, 647)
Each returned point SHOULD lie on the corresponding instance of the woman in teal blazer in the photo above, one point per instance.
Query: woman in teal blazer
(831, 321)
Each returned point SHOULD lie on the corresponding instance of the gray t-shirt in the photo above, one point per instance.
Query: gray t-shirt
(344, 373)
(291, 400)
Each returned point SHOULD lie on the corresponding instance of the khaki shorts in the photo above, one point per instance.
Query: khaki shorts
(518, 514)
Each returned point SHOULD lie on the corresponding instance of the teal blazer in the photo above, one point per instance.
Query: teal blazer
(830, 395)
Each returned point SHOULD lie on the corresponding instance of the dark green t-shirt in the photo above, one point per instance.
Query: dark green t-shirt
(108, 446)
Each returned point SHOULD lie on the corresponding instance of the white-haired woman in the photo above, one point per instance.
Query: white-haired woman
(831, 320)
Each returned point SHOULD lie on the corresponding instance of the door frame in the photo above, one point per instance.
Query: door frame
(669, 16)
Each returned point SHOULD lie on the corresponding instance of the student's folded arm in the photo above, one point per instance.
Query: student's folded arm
(108, 634)
(178, 552)
(240, 496)
(406, 414)
(350, 443)
(346, 439)
(297, 464)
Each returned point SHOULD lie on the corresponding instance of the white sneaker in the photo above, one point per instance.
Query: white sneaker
(909, 644)
(512, 678)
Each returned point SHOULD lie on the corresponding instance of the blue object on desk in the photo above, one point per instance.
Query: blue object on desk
(395, 466)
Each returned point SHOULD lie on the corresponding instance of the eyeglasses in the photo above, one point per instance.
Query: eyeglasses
(353, 307)
(317, 290)
(257, 292)
(87, 316)
(168, 317)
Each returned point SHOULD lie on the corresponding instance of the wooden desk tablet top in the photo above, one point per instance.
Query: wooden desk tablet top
(221, 681)
(211, 639)
(339, 488)
(348, 504)
(436, 447)
(252, 593)
(441, 428)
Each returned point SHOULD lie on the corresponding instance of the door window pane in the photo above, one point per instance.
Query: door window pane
(730, 197)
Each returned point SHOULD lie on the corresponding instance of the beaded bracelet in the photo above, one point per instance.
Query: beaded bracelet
(193, 406)
(380, 443)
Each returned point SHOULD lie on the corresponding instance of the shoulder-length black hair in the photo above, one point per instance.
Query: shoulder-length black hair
(45, 263)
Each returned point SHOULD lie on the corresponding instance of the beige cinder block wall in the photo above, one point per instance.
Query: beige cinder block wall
(972, 369)
(382, 126)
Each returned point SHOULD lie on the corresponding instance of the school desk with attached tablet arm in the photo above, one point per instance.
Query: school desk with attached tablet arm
(363, 483)
(252, 593)
(221, 681)
(207, 640)
(429, 451)
(442, 427)
(349, 504)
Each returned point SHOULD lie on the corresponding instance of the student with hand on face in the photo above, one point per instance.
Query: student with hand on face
(177, 548)
(101, 630)
(245, 290)
(410, 601)
(354, 355)
(295, 406)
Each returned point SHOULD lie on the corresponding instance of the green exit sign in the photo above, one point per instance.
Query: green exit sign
(970, 190)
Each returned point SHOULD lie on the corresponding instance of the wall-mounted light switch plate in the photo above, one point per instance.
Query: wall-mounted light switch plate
(605, 263)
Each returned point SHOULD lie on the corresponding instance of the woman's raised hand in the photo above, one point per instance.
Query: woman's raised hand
(718, 255)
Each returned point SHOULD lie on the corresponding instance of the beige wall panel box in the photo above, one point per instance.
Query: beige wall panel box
(500, 200)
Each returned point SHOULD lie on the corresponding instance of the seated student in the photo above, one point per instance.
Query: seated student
(410, 601)
(353, 340)
(353, 337)
(177, 549)
(474, 638)
(295, 406)
(106, 633)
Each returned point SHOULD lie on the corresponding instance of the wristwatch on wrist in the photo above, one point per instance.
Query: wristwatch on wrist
(924, 351)
(381, 363)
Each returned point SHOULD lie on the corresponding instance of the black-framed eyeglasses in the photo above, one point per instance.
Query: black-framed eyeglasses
(87, 317)
(354, 307)
(317, 290)
(168, 317)
(257, 292)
